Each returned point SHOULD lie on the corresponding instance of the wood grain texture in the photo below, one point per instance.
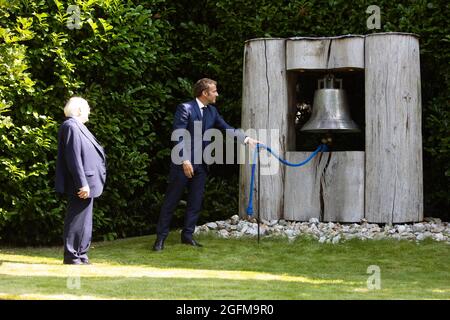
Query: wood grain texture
(394, 189)
(264, 104)
(330, 187)
(325, 53)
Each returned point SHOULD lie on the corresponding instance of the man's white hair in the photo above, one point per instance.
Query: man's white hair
(74, 107)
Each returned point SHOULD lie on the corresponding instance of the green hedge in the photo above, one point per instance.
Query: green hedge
(121, 62)
(134, 61)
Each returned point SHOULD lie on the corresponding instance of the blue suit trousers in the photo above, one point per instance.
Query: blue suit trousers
(176, 186)
(77, 229)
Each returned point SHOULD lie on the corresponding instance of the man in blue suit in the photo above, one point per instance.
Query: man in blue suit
(81, 174)
(190, 173)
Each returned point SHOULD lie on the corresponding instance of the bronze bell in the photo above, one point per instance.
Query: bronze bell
(330, 108)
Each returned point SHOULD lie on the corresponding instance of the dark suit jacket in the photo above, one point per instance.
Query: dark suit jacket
(81, 160)
(188, 115)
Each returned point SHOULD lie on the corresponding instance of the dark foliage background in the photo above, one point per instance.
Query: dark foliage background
(134, 61)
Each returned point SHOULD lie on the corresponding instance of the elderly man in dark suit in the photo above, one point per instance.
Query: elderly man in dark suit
(192, 173)
(81, 174)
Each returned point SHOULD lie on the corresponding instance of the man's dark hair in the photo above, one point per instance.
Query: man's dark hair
(201, 85)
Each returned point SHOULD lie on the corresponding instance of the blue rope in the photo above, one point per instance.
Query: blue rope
(321, 148)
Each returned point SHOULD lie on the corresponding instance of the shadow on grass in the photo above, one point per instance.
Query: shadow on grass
(276, 255)
(44, 287)
(232, 269)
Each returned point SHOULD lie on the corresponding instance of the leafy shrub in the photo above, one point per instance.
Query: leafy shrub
(120, 61)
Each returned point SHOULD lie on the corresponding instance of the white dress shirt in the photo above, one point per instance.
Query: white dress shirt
(200, 105)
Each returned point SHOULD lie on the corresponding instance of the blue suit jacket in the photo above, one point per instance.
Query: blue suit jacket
(188, 115)
(81, 160)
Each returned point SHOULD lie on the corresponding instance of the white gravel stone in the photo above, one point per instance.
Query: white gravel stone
(234, 219)
(328, 232)
(439, 237)
(289, 233)
(336, 239)
(273, 222)
(420, 237)
(418, 227)
(212, 225)
(223, 233)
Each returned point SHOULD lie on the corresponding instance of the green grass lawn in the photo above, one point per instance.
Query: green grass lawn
(230, 269)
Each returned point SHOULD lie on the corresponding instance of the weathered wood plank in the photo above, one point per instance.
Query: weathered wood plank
(330, 187)
(325, 53)
(394, 190)
(346, 53)
(343, 187)
(307, 54)
(301, 196)
(264, 103)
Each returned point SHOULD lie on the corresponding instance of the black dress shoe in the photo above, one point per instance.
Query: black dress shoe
(159, 245)
(191, 242)
(85, 261)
